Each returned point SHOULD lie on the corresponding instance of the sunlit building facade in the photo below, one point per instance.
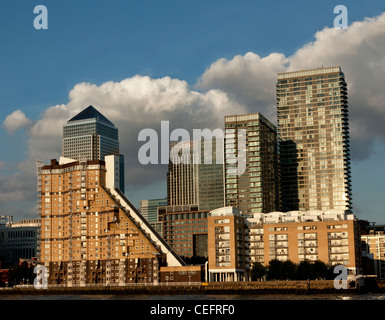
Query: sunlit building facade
(313, 132)
(90, 232)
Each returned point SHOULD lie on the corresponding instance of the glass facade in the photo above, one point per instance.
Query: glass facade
(313, 132)
(256, 190)
(89, 139)
(197, 182)
(91, 136)
(149, 208)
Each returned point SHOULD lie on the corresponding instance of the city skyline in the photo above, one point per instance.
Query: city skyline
(238, 77)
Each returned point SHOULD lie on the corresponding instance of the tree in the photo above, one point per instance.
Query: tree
(289, 270)
(258, 271)
(304, 270)
(313, 270)
(275, 270)
(320, 269)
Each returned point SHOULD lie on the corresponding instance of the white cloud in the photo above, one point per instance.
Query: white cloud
(248, 79)
(132, 105)
(359, 50)
(15, 121)
(238, 85)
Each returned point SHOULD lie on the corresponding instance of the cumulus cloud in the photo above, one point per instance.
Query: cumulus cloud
(248, 79)
(132, 105)
(16, 120)
(245, 83)
(359, 50)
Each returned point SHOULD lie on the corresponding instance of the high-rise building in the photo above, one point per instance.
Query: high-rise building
(91, 136)
(195, 182)
(90, 232)
(194, 187)
(149, 210)
(256, 189)
(313, 132)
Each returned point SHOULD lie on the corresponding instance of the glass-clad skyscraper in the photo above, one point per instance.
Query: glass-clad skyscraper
(194, 181)
(91, 136)
(256, 189)
(313, 132)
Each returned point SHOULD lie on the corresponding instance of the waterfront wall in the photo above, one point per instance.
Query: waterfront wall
(252, 287)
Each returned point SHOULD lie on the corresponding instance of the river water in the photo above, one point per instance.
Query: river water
(211, 298)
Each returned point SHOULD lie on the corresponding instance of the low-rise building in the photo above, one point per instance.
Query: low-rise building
(19, 239)
(236, 242)
(330, 236)
(373, 247)
(185, 229)
(227, 245)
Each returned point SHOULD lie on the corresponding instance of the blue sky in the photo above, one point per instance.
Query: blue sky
(101, 41)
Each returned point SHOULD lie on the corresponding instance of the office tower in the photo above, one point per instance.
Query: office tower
(18, 239)
(227, 245)
(194, 186)
(256, 190)
(192, 181)
(90, 232)
(329, 236)
(91, 136)
(313, 131)
(149, 210)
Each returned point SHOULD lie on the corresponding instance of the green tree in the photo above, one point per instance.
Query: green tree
(258, 271)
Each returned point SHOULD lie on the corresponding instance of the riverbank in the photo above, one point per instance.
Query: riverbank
(217, 288)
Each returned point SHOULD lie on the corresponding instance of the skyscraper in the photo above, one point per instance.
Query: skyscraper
(313, 132)
(91, 136)
(256, 190)
(149, 210)
(194, 186)
(195, 182)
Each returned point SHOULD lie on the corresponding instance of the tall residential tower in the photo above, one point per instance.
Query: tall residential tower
(256, 189)
(313, 131)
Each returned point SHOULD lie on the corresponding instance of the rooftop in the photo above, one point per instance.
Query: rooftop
(91, 113)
